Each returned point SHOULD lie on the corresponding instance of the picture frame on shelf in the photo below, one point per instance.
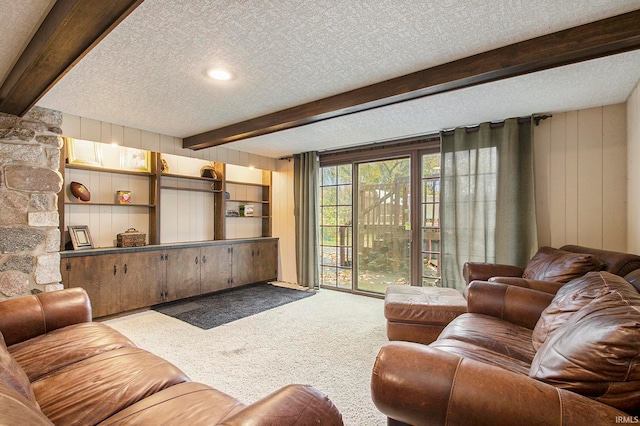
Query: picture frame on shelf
(135, 159)
(80, 237)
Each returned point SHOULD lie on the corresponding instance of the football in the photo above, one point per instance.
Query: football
(80, 191)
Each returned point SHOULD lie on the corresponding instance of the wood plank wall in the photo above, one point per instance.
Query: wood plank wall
(284, 220)
(581, 178)
(633, 168)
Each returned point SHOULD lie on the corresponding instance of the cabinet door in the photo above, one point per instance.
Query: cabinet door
(215, 268)
(142, 277)
(83, 272)
(266, 260)
(254, 261)
(243, 269)
(182, 277)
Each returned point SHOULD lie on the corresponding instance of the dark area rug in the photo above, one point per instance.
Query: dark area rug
(220, 308)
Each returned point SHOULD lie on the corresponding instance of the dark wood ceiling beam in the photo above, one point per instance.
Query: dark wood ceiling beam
(601, 38)
(70, 30)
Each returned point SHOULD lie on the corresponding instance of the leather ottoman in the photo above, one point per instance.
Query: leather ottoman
(419, 314)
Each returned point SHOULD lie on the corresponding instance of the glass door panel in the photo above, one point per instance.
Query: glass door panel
(430, 212)
(336, 234)
(383, 224)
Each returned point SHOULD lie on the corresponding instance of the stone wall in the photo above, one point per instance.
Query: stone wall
(29, 184)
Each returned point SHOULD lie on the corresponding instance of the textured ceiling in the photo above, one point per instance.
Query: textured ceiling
(149, 73)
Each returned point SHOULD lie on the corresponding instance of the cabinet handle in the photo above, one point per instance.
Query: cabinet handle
(204, 259)
(115, 269)
(125, 268)
(68, 268)
(196, 260)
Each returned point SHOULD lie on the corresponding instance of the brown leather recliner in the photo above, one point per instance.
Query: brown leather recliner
(550, 268)
(522, 356)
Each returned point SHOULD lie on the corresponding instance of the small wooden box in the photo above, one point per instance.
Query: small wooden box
(132, 238)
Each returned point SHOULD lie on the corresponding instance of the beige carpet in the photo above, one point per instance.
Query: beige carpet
(329, 340)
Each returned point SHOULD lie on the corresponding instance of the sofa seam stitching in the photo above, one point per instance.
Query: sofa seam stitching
(42, 315)
(453, 385)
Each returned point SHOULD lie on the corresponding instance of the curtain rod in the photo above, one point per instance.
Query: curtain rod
(424, 138)
(492, 125)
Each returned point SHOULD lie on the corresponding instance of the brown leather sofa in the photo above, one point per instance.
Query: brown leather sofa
(550, 268)
(523, 356)
(58, 367)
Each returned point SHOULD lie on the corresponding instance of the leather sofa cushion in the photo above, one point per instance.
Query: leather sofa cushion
(64, 346)
(596, 352)
(185, 404)
(492, 334)
(550, 264)
(13, 376)
(568, 300)
(478, 353)
(91, 390)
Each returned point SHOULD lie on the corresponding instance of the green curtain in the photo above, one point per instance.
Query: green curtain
(488, 206)
(305, 194)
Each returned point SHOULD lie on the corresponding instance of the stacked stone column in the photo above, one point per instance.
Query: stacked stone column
(29, 183)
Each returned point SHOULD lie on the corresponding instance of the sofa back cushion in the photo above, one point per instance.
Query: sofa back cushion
(616, 262)
(13, 376)
(550, 264)
(572, 296)
(596, 352)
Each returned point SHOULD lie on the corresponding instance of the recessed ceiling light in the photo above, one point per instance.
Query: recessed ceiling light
(219, 74)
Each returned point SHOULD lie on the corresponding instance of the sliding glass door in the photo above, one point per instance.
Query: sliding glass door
(380, 219)
(383, 224)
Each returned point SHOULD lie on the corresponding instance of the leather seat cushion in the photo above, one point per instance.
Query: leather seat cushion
(492, 334)
(423, 305)
(51, 351)
(91, 390)
(596, 352)
(185, 403)
(550, 264)
(478, 353)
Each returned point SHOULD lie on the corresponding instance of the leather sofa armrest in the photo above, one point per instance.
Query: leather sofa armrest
(550, 287)
(26, 317)
(518, 305)
(473, 271)
(417, 384)
(290, 405)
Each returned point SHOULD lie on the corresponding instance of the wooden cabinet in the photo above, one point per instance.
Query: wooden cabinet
(254, 262)
(115, 282)
(120, 280)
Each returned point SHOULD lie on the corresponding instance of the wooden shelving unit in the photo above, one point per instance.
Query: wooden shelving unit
(258, 194)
